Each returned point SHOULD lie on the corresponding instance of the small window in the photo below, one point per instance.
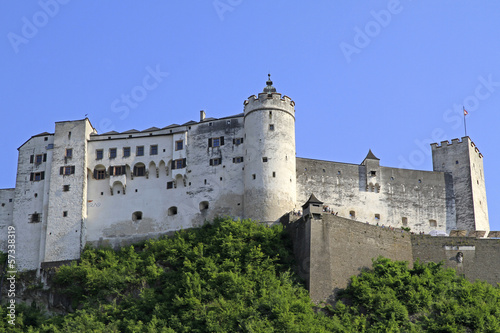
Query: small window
(238, 141)
(39, 159)
(203, 205)
(172, 211)
(419, 181)
(404, 221)
(216, 161)
(140, 151)
(112, 152)
(238, 159)
(10, 200)
(338, 172)
(99, 174)
(271, 127)
(153, 150)
(126, 151)
(170, 185)
(433, 223)
(65, 188)
(178, 164)
(377, 217)
(69, 170)
(69, 152)
(37, 176)
(373, 173)
(274, 174)
(99, 154)
(215, 142)
(228, 122)
(179, 145)
(352, 214)
(253, 176)
(205, 181)
(456, 162)
(46, 139)
(69, 135)
(65, 213)
(270, 114)
(136, 216)
(264, 159)
(35, 217)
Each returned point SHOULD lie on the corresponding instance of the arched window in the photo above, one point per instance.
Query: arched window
(352, 214)
(172, 211)
(136, 216)
(203, 205)
(139, 170)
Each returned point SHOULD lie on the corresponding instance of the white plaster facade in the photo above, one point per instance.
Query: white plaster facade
(75, 186)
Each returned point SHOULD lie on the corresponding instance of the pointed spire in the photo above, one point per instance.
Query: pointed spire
(371, 156)
(269, 85)
(312, 200)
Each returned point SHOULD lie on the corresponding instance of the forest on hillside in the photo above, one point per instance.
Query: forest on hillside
(237, 276)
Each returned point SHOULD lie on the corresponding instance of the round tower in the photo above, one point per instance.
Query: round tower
(269, 176)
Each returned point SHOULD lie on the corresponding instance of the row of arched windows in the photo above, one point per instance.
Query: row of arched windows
(173, 210)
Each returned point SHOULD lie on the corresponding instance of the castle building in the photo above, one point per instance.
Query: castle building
(75, 186)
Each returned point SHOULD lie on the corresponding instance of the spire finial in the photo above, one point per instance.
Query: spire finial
(269, 85)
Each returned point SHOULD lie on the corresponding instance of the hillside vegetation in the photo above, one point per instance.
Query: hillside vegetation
(236, 276)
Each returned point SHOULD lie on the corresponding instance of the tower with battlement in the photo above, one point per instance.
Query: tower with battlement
(269, 175)
(464, 162)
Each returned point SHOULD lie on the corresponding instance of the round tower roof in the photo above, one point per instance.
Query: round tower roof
(269, 86)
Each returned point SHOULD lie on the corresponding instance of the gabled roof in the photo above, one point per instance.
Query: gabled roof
(131, 131)
(190, 122)
(110, 132)
(170, 126)
(151, 129)
(42, 134)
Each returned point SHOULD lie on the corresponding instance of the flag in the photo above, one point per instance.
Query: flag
(465, 112)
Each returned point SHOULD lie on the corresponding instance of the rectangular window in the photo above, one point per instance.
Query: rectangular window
(271, 127)
(153, 150)
(238, 141)
(67, 170)
(112, 152)
(216, 161)
(140, 151)
(65, 213)
(69, 152)
(32, 158)
(99, 154)
(178, 164)
(139, 171)
(45, 157)
(170, 185)
(237, 159)
(216, 142)
(126, 151)
(179, 145)
(117, 170)
(39, 159)
(100, 174)
(37, 176)
(264, 159)
(433, 223)
(65, 188)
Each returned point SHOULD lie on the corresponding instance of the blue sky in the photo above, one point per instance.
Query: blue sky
(387, 75)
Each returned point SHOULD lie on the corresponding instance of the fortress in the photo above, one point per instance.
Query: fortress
(75, 186)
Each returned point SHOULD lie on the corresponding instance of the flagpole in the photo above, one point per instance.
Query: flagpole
(465, 123)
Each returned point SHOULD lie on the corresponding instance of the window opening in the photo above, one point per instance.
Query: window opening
(172, 211)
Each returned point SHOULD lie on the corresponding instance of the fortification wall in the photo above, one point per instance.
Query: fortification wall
(341, 248)
(481, 257)
(421, 200)
(6, 215)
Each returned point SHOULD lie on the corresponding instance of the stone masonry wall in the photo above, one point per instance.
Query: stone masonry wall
(481, 257)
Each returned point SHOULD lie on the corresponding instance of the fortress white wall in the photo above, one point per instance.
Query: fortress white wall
(199, 191)
(30, 213)
(421, 197)
(6, 215)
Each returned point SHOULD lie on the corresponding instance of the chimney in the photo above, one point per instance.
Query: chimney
(202, 115)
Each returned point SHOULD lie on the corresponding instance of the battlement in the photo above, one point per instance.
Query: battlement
(273, 96)
(454, 143)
